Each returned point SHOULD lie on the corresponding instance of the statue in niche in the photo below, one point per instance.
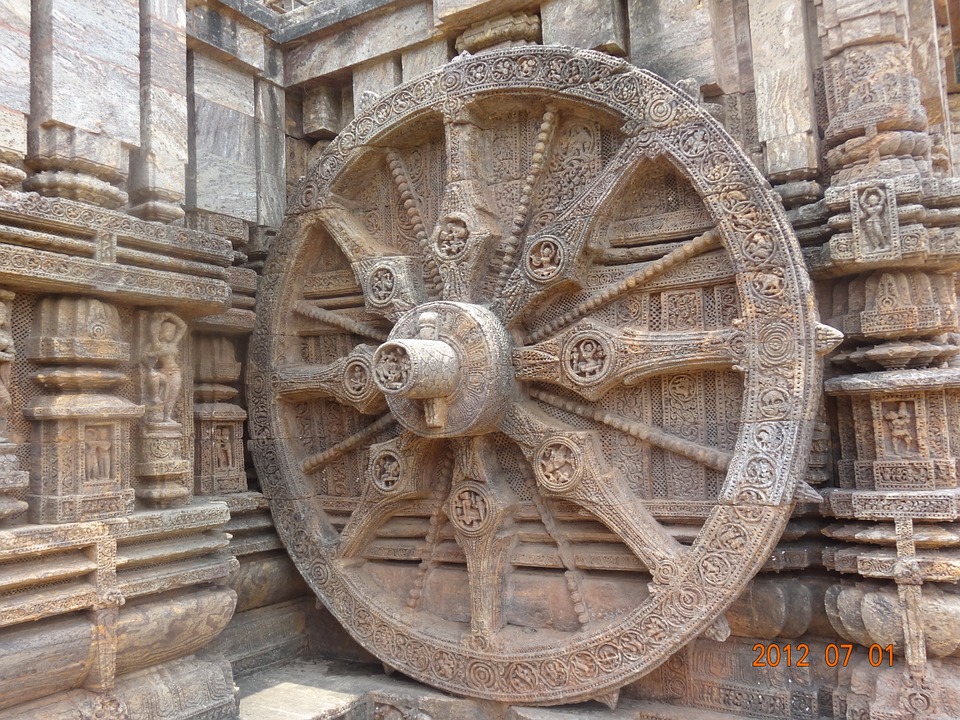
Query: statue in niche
(97, 453)
(872, 206)
(164, 366)
(901, 435)
(224, 452)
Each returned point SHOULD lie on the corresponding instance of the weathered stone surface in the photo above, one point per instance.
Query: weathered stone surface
(784, 87)
(227, 32)
(321, 111)
(372, 38)
(586, 24)
(373, 80)
(420, 60)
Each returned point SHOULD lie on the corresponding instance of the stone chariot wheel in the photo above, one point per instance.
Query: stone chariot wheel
(532, 382)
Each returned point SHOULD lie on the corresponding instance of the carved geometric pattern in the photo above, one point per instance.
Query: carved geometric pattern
(552, 407)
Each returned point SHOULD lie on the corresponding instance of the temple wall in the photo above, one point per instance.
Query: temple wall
(147, 153)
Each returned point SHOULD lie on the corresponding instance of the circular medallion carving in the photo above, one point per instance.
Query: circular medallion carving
(558, 465)
(587, 358)
(431, 450)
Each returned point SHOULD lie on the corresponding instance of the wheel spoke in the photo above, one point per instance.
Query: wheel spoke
(591, 358)
(414, 209)
(569, 465)
(467, 231)
(710, 240)
(393, 480)
(318, 460)
(551, 256)
(335, 319)
(711, 457)
(391, 283)
(541, 153)
(481, 511)
(348, 380)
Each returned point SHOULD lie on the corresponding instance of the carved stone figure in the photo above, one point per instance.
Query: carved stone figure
(529, 389)
(163, 365)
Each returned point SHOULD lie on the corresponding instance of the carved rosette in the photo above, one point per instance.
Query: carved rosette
(549, 413)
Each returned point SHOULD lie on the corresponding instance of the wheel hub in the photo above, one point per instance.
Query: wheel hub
(446, 371)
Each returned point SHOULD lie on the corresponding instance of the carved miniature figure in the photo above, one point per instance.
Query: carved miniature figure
(393, 369)
(224, 446)
(544, 259)
(587, 358)
(163, 365)
(872, 206)
(558, 464)
(382, 284)
(452, 240)
(98, 453)
(901, 434)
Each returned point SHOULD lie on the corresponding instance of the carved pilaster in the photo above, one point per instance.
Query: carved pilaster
(218, 422)
(81, 449)
(894, 250)
(12, 479)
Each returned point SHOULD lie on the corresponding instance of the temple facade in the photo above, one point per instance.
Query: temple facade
(479, 359)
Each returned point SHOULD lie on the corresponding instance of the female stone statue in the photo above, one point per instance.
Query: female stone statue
(164, 369)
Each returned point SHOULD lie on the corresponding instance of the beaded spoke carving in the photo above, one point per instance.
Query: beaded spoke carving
(522, 446)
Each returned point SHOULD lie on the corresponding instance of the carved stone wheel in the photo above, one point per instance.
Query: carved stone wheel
(533, 376)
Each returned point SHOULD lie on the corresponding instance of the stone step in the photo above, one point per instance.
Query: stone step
(328, 690)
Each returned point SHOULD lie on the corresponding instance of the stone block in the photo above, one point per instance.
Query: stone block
(375, 37)
(424, 58)
(270, 104)
(13, 132)
(61, 146)
(457, 12)
(593, 24)
(109, 103)
(378, 78)
(227, 33)
(223, 132)
(675, 39)
(163, 49)
(107, 31)
(264, 636)
(226, 184)
(226, 85)
(271, 199)
(321, 111)
(786, 118)
(63, 647)
(14, 56)
(165, 138)
(149, 633)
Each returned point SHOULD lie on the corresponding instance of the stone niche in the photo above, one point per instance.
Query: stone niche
(81, 468)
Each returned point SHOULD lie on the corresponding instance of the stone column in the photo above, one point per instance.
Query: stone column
(13, 480)
(157, 172)
(81, 449)
(14, 89)
(894, 250)
(85, 98)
